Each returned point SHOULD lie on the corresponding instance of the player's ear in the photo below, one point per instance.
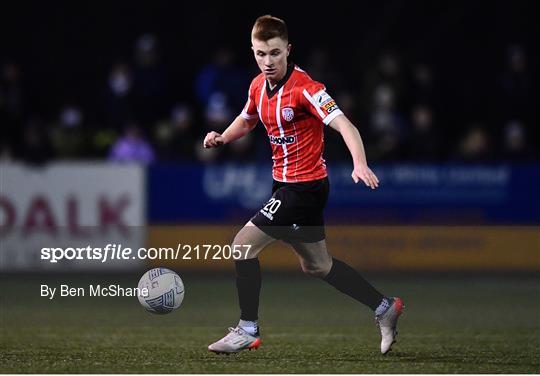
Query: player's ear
(289, 46)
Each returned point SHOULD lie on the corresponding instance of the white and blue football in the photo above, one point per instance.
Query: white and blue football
(165, 290)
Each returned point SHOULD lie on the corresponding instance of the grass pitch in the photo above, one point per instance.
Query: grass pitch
(450, 325)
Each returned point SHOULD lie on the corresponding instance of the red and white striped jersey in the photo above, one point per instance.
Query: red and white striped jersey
(294, 114)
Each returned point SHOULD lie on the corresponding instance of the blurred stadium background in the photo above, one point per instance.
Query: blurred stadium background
(103, 109)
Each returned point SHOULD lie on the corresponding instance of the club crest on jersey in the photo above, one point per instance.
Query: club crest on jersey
(288, 113)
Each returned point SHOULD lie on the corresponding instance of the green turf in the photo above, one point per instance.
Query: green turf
(451, 325)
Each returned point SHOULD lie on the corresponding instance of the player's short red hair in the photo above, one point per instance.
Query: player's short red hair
(268, 27)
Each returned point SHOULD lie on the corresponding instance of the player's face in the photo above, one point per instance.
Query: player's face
(271, 56)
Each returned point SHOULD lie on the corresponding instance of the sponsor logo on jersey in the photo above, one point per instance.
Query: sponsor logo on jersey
(284, 140)
(288, 113)
(330, 106)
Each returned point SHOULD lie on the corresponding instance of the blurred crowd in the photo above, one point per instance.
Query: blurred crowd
(395, 102)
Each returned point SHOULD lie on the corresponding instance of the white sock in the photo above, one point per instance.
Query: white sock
(385, 303)
(252, 327)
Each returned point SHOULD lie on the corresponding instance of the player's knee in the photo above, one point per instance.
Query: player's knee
(315, 270)
(249, 241)
(243, 249)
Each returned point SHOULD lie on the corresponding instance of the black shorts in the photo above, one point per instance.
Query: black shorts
(295, 211)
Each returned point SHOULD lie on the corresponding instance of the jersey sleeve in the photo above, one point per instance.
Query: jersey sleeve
(319, 103)
(250, 109)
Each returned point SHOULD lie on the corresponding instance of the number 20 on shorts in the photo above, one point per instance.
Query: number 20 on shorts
(272, 206)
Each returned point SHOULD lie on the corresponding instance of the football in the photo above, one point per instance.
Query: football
(165, 290)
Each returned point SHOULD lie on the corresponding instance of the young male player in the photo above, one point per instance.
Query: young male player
(294, 110)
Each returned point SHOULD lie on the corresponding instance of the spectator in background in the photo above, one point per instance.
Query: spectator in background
(475, 146)
(423, 141)
(132, 147)
(174, 136)
(515, 145)
(517, 95)
(35, 147)
(389, 73)
(422, 90)
(68, 136)
(223, 76)
(149, 81)
(119, 97)
(217, 113)
(516, 83)
(386, 125)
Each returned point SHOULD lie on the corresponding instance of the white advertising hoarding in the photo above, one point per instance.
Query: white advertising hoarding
(84, 206)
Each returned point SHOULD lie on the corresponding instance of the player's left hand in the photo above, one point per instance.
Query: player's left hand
(365, 174)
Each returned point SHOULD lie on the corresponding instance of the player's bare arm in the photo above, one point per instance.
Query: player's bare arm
(352, 139)
(238, 129)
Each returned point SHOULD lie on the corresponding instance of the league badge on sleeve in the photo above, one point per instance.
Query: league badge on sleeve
(321, 97)
(325, 101)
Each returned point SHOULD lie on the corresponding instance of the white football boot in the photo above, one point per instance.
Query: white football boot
(387, 323)
(237, 340)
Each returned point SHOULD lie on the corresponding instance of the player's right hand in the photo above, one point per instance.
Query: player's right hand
(213, 140)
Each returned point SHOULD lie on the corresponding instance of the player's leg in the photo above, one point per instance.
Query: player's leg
(248, 284)
(248, 274)
(317, 262)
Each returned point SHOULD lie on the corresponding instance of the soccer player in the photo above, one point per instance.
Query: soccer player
(294, 109)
